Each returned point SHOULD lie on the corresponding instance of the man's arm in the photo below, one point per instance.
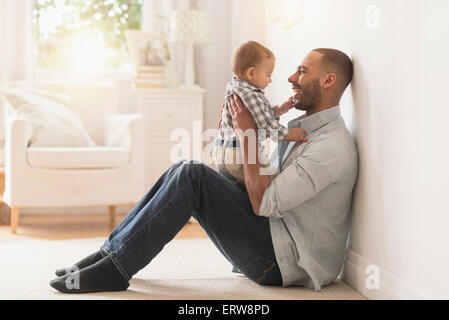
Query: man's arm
(256, 184)
(324, 162)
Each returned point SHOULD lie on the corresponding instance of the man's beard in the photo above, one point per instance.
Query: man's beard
(309, 97)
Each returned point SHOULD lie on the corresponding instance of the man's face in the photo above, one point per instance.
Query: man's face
(306, 83)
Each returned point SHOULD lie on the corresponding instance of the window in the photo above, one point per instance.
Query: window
(85, 36)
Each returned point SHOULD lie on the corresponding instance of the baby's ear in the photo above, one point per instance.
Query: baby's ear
(250, 73)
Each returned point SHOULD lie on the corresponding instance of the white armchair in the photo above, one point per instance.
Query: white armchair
(110, 173)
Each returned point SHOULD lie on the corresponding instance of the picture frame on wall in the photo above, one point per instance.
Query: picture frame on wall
(148, 51)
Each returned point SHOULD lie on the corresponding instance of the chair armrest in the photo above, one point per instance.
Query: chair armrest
(122, 130)
(126, 130)
(18, 133)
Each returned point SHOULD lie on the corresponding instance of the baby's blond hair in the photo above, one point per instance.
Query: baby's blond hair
(247, 55)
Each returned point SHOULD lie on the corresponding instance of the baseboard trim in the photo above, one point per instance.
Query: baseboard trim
(88, 210)
(390, 286)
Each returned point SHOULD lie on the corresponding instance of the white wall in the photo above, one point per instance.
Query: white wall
(397, 109)
(212, 60)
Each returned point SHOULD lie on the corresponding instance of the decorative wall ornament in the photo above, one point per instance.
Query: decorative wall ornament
(190, 27)
(288, 12)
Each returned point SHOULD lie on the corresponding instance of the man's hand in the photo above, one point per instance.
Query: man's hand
(241, 116)
(256, 184)
(244, 127)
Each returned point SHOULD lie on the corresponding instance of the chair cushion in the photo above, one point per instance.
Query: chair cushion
(78, 157)
(54, 124)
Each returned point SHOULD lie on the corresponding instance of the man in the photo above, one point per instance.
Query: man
(288, 229)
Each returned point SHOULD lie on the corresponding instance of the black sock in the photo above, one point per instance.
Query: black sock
(236, 270)
(87, 261)
(98, 277)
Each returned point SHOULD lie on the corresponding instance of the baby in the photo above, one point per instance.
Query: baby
(252, 65)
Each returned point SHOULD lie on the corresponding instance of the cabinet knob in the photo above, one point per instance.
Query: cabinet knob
(170, 115)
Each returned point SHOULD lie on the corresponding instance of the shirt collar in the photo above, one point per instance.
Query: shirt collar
(316, 120)
(245, 84)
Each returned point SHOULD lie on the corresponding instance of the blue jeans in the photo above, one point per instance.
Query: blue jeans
(222, 209)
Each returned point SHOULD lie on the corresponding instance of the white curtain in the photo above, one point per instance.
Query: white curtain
(16, 52)
(16, 48)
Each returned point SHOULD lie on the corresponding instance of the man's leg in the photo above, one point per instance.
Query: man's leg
(145, 199)
(227, 216)
(192, 189)
(222, 209)
(98, 255)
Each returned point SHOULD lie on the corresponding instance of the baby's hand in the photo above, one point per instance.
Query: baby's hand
(286, 106)
(283, 108)
(296, 134)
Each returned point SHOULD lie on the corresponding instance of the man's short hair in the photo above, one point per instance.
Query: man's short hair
(247, 55)
(336, 61)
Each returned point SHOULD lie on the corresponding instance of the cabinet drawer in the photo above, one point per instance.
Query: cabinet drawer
(163, 116)
(163, 111)
(158, 158)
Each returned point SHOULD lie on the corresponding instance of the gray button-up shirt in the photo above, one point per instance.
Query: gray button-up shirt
(309, 198)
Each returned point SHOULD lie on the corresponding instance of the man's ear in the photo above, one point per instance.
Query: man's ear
(329, 80)
(250, 73)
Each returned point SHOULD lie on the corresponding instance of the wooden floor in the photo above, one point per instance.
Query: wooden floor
(60, 227)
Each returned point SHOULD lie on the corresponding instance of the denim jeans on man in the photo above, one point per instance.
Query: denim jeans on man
(223, 210)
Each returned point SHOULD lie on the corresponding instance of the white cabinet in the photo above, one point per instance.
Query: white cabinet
(165, 110)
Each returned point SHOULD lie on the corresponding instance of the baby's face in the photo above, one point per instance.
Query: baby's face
(262, 73)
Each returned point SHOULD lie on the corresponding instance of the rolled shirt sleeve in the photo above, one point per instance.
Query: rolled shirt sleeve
(319, 166)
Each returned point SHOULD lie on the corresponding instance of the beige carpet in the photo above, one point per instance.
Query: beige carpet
(185, 269)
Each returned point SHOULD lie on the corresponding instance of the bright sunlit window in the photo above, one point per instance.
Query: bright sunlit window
(84, 36)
